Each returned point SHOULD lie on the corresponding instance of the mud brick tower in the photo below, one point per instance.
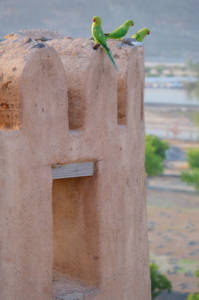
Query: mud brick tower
(72, 180)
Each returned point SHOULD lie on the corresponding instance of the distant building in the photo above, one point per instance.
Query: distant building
(168, 82)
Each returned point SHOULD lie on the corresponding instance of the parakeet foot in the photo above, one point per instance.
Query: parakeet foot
(39, 45)
(43, 39)
(96, 46)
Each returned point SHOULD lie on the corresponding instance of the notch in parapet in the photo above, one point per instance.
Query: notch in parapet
(130, 91)
(122, 55)
(76, 109)
(122, 101)
(90, 80)
(10, 105)
(74, 56)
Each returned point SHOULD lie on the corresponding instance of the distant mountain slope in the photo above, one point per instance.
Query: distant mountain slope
(174, 24)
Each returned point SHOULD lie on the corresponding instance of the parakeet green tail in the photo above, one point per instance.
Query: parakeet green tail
(99, 37)
(110, 56)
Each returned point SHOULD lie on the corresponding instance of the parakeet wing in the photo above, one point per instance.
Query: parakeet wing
(118, 32)
(99, 35)
(136, 36)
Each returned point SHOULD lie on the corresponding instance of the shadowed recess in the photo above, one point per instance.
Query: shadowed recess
(10, 105)
(122, 101)
(76, 109)
(76, 229)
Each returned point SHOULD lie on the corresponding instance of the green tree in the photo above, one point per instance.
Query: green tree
(192, 175)
(159, 282)
(193, 158)
(194, 296)
(155, 151)
(160, 145)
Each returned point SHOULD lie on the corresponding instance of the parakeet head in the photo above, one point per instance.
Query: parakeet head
(129, 23)
(97, 20)
(145, 30)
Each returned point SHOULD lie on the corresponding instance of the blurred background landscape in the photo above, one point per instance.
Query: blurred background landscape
(172, 115)
(171, 112)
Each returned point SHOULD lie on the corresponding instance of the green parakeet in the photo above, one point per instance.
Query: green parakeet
(137, 38)
(140, 35)
(121, 31)
(99, 37)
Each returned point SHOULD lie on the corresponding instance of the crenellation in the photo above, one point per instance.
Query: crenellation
(85, 77)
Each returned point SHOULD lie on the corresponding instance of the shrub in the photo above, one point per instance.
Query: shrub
(192, 176)
(194, 296)
(155, 152)
(193, 158)
(159, 282)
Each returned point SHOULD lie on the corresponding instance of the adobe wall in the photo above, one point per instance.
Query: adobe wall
(66, 103)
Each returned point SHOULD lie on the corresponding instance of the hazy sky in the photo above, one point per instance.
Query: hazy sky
(70, 17)
(174, 24)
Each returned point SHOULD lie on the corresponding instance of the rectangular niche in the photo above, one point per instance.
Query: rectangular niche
(76, 232)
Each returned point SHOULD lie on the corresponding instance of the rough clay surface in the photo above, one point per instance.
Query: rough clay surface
(64, 103)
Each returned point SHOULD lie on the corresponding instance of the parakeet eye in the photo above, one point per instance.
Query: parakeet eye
(93, 19)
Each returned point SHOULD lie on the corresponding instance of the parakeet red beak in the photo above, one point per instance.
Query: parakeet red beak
(93, 19)
(149, 32)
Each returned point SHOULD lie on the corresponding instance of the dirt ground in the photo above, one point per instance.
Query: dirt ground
(173, 237)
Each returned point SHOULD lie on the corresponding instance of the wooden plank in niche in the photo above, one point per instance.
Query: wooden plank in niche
(73, 170)
(73, 296)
